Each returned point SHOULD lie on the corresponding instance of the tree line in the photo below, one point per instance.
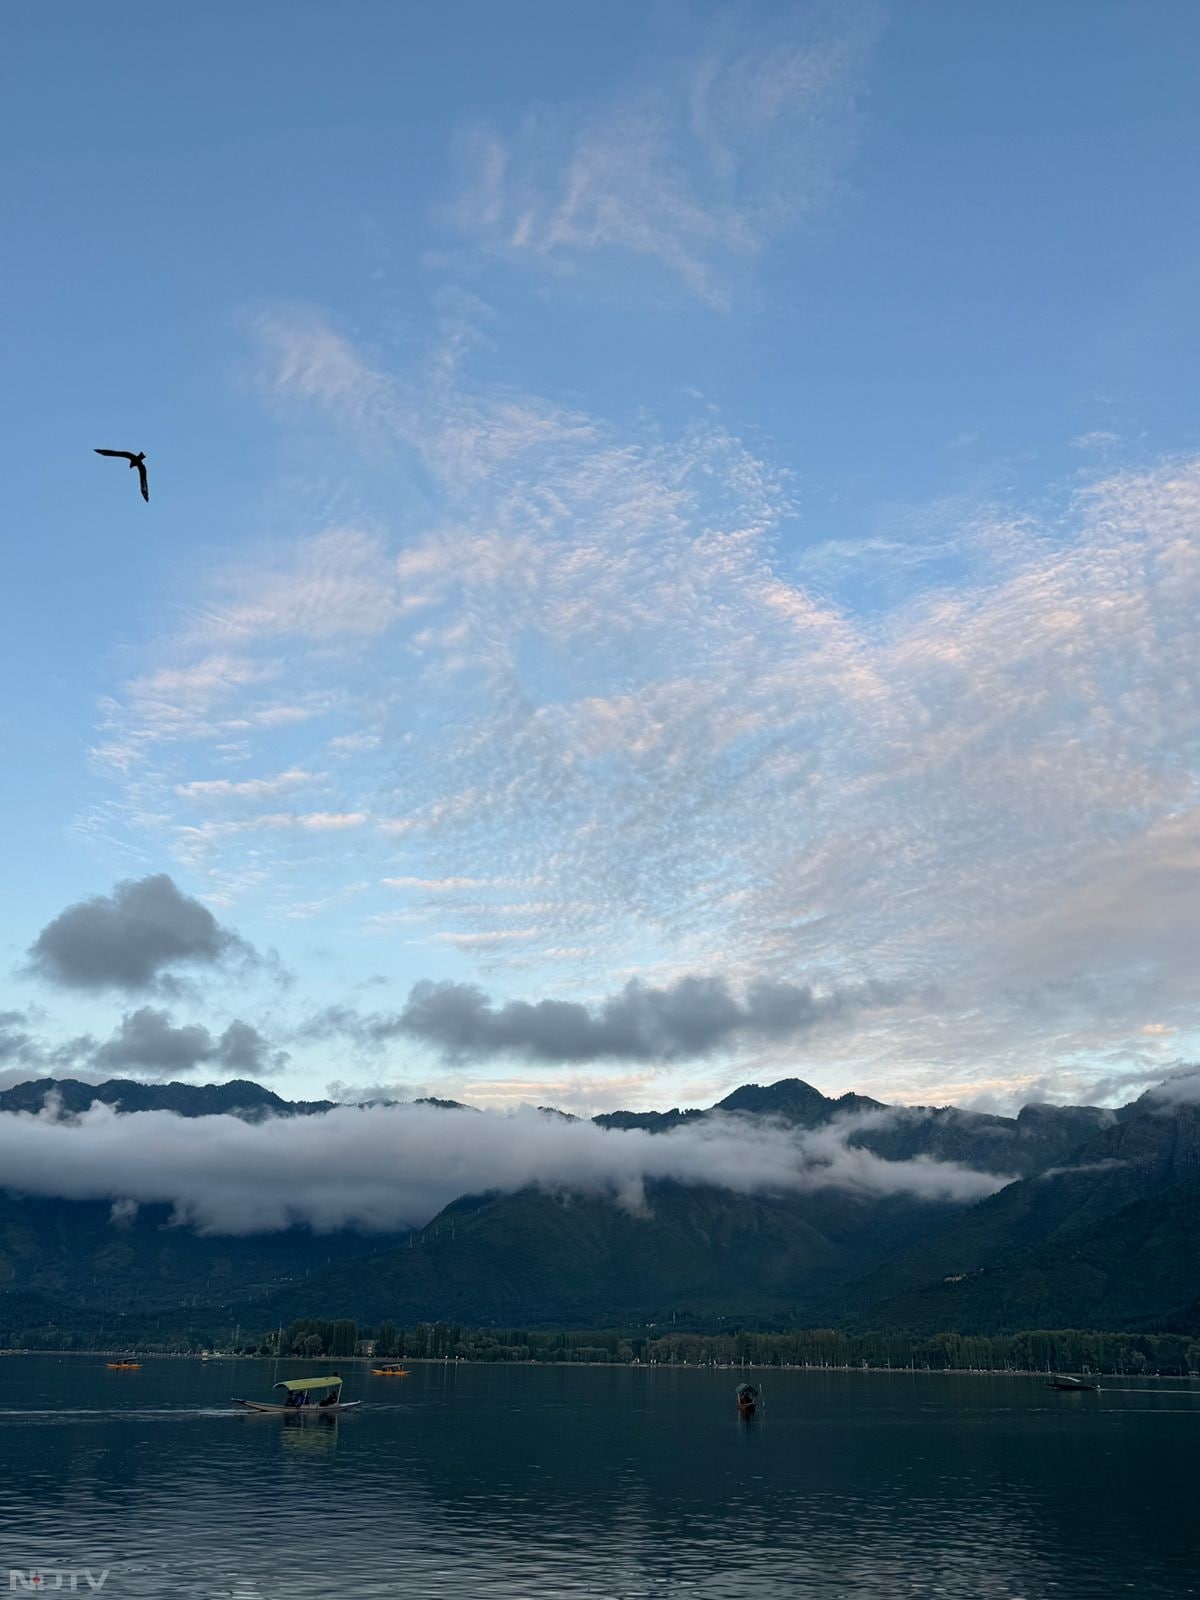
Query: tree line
(1068, 1349)
(1040, 1350)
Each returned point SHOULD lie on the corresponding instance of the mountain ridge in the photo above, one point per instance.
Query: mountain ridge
(1094, 1226)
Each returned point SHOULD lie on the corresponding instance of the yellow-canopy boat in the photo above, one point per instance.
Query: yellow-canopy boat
(301, 1401)
(391, 1372)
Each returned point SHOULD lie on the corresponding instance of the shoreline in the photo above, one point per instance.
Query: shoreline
(623, 1366)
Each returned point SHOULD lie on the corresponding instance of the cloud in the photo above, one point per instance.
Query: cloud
(25, 1056)
(16, 1045)
(123, 1213)
(438, 885)
(246, 788)
(175, 702)
(332, 821)
(336, 584)
(131, 938)
(387, 1168)
(147, 1042)
(690, 1018)
(621, 685)
(1097, 439)
(698, 170)
(1181, 1086)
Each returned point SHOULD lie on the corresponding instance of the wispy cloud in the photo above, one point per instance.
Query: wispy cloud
(613, 687)
(331, 585)
(437, 885)
(246, 788)
(697, 170)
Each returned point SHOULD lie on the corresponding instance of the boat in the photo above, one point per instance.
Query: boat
(747, 1399)
(123, 1366)
(300, 1399)
(1070, 1385)
(390, 1372)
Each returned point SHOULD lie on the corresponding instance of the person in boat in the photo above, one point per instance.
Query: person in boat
(747, 1395)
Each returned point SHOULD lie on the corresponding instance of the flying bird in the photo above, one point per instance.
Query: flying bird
(138, 461)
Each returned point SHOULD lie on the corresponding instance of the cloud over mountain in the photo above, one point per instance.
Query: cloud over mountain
(389, 1167)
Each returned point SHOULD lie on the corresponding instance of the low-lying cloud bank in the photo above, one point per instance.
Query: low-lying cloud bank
(694, 1016)
(386, 1168)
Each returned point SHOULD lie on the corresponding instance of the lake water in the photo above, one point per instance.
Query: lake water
(533, 1482)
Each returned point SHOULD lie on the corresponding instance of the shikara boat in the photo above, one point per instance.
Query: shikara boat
(123, 1366)
(1070, 1385)
(301, 1398)
(390, 1372)
(747, 1399)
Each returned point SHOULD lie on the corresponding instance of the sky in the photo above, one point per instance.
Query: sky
(672, 556)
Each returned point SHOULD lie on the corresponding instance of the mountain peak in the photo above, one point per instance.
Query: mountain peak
(790, 1097)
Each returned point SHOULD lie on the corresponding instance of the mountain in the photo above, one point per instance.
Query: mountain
(795, 1101)
(1067, 1247)
(1095, 1230)
(579, 1261)
(87, 1252)
(1038, 1137)
(237, 1098)
(825, 1256)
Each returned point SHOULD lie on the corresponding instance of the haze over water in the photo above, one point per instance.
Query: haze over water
(547, 1481)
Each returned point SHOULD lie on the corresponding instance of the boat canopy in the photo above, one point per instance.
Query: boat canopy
(294, 1385)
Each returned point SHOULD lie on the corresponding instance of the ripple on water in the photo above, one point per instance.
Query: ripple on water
(539, 1483)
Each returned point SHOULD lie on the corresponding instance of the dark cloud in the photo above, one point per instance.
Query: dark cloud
(149, 1043)
(15, 1044)
(344, 1022)
(691, 1017)
(243, 1051)
(130, 938)
(23, 1055)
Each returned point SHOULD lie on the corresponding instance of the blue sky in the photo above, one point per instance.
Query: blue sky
(640, 495)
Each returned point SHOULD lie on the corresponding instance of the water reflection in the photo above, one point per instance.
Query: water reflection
(315, 1436)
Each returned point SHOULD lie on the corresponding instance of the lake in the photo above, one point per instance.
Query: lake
(508, 1482)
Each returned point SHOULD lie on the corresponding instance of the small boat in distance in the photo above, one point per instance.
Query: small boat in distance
(390, 1372)
(300, 1400)
(123, 1366)
(747, 1399)
(1058, 1381)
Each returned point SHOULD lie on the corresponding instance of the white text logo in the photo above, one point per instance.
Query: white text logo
(40, 1580)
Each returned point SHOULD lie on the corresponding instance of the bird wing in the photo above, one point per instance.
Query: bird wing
(144, 479)
(125, 455)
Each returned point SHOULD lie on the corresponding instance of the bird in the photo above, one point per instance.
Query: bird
(138, 461)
